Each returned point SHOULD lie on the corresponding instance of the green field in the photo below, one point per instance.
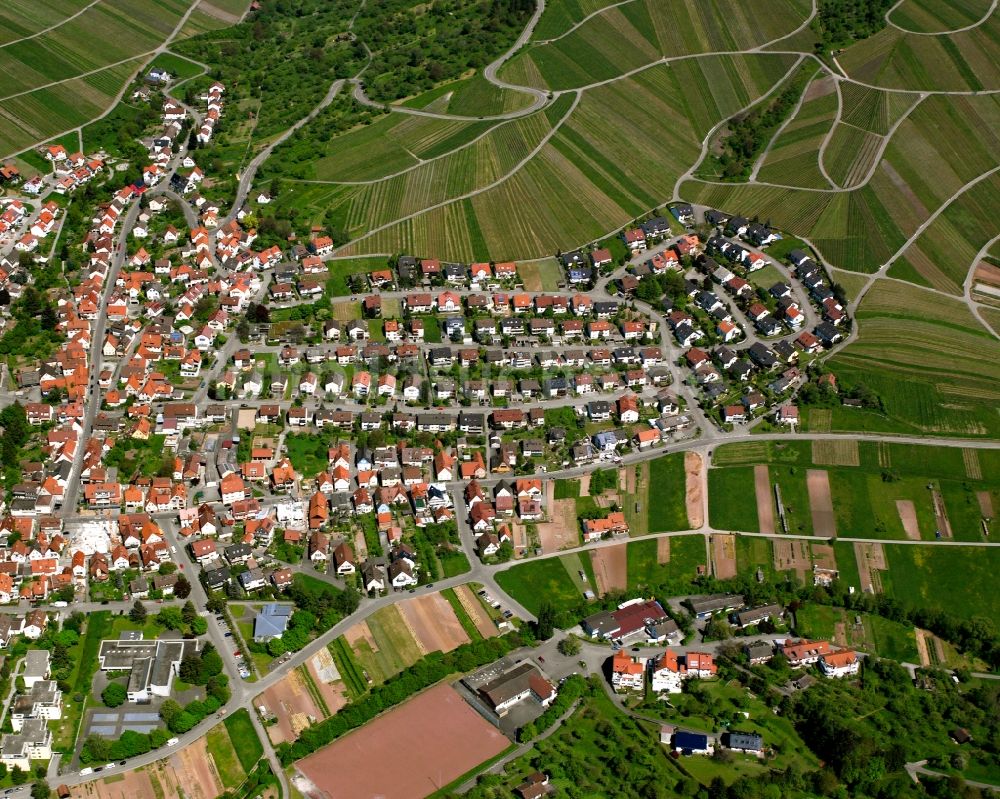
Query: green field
(950, 62)
(864, 496)
(533, 581)
(925, 16)
(666, 499)
(957, 580)
(931, 362)
(394, 649)
(244, 737)
(687, 553)
(732, 503)
(220, 747)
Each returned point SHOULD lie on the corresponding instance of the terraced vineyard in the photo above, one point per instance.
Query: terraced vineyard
(850, 155)
(928, 16)
(604, 165)
(872, 109)
(793, 157)
(627, 37)
(56, 79)
(937, 149)
(892, 58)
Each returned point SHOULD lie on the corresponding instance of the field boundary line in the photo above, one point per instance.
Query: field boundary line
(908, 31)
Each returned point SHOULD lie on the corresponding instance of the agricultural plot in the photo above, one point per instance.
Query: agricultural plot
(604, 165)
(850, 154)
(383, 645)
(559, 17)
(534, 581)
(627, 37)
(646, 569)
(872, 634)
(946, 249)
(477, 97)
(926, 16)
(37, 116)
(933, 153)
(732, 504)
(965, 61)
(792, 158)
(871, 109)
(934, 366)
(390, 144)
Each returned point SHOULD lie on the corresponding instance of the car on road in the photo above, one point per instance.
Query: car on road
(541, 659)
(236, 654)
(121, 763)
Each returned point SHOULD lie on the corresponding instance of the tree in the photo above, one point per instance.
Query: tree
(17, 776)
(138, 613)
(169, 710)
(570, 647)
(189, 670)
(545, 625)
(182, 588)
(114, 694)
(40, 790)
(170, 618)
(189, 612)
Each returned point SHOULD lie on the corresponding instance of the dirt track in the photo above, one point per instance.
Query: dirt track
(985, 504)
(908, 516)
(765, 506)
(821, 503)
(407, 753)
(610, 568)
(433, 623)
(941, 515)
(663, 550)
(694, 495)
(724, 556)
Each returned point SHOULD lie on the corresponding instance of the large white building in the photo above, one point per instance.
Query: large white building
(840, 664)
(32, 742)
(152, 664)
(43, 701)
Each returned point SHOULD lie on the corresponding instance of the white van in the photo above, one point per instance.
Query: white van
(173, 742)
(85, 771)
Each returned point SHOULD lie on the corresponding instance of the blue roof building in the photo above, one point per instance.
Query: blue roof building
(690, 742)
(271, 622)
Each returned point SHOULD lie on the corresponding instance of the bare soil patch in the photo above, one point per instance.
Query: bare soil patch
(824, 556)
(431, 740)
(941, 515)
(985, 504)
(630, 480)
(134, 784)
(360, 546)
(663, 550)
(821, 503)
(765, 506)
(476, 611)
(790, 554)
(195, 772)
(433, 622)
(987, 273)
(360, 632)
(724, 556)
(840, 633)
(819, 88)
(561, 529)
(908, 516)
(610, 568)
(922, 653)
(871, 561)
(293, 707)
(584, 485)
(694, 493)
(836, 452)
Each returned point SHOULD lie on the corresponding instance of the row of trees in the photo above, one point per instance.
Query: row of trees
(425, 672)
